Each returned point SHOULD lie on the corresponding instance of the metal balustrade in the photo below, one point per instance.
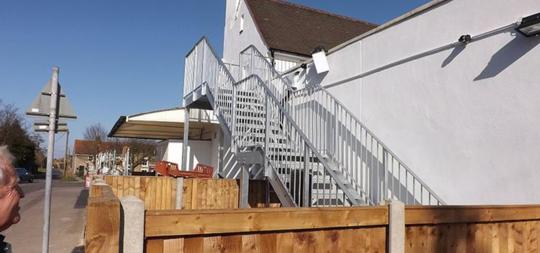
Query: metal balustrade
(360, 158)
(322, 155)
(254, 117)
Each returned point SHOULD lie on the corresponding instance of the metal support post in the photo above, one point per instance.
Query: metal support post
(267, 134)
(244, 187)
(233, 130)
(185, 141)
(50, 156)
(66, 152)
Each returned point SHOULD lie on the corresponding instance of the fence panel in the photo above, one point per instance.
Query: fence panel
(210, 194)
(267, 230)
(158, 193)
(473, 229)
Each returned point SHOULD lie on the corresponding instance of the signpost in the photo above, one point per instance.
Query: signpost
(51, 103)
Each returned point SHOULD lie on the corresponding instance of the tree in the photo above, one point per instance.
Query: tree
(21, 143)
(140, 149)
(95, 132)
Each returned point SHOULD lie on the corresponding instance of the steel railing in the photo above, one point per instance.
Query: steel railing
(248, 107)
(363, 160)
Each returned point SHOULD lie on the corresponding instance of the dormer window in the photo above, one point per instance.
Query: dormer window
(242, 23)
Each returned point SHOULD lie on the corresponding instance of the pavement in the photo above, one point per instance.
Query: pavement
(67, 218)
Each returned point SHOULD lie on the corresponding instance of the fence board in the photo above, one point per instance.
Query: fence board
(179, 222)
(210, 194)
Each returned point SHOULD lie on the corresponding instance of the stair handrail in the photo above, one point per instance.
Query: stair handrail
(213, 86)
(299, 132)
(275, 76)
(192, 83)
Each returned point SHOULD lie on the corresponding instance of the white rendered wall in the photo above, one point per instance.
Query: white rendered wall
(465, 120)
(198, 152)
(234, 41)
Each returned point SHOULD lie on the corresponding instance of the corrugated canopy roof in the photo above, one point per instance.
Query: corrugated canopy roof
(294, 28)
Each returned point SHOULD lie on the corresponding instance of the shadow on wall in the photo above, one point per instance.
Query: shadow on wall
(507, 55)
(457, 50)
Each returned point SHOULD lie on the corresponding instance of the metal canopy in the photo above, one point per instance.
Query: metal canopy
(41, 104)
(166, 124)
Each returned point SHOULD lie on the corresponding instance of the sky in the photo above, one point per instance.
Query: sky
(122, 57)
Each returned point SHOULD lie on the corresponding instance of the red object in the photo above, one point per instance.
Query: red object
(165, 168)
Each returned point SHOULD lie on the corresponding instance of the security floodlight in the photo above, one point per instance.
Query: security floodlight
(320, 60)
(530, 26)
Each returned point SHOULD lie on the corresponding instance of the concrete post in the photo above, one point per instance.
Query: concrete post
(133, 230)
(179, 193)
(396, 227)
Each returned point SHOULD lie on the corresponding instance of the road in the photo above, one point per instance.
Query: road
(67, 218)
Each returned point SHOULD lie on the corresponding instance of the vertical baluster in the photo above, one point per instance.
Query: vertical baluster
(385, 171)
(414, 191)
(407, 201)
(421, 194)
(306, 177)
(391, 177)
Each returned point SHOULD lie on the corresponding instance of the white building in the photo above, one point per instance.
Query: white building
(404, 105)
(166, 126)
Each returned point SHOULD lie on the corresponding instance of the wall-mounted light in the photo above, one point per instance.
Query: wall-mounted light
(320, 60)
(530, 26)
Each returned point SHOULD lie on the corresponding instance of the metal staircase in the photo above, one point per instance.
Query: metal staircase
(303, 145)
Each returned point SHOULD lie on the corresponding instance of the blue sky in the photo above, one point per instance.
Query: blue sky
(121, 57)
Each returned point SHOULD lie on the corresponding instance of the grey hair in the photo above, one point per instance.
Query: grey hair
(6, 160)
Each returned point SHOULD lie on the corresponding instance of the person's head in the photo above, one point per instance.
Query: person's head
(10, 192)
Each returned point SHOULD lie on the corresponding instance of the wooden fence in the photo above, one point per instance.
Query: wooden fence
(160, 193)
(428, 229)
(268, 230)
(358, 229)
(473, 229)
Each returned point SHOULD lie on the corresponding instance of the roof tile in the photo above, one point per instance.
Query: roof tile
(299, 29)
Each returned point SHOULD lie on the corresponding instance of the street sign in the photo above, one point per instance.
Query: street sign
(53, 104)
(42, 103)
(42, 128)
(43, 123)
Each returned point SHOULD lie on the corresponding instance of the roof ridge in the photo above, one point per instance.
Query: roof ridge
(322, 11)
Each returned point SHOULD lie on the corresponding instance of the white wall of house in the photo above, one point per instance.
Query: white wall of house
(464, 119)
(198, 152)
(235, 41)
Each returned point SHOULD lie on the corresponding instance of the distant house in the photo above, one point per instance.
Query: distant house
(87, 152)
